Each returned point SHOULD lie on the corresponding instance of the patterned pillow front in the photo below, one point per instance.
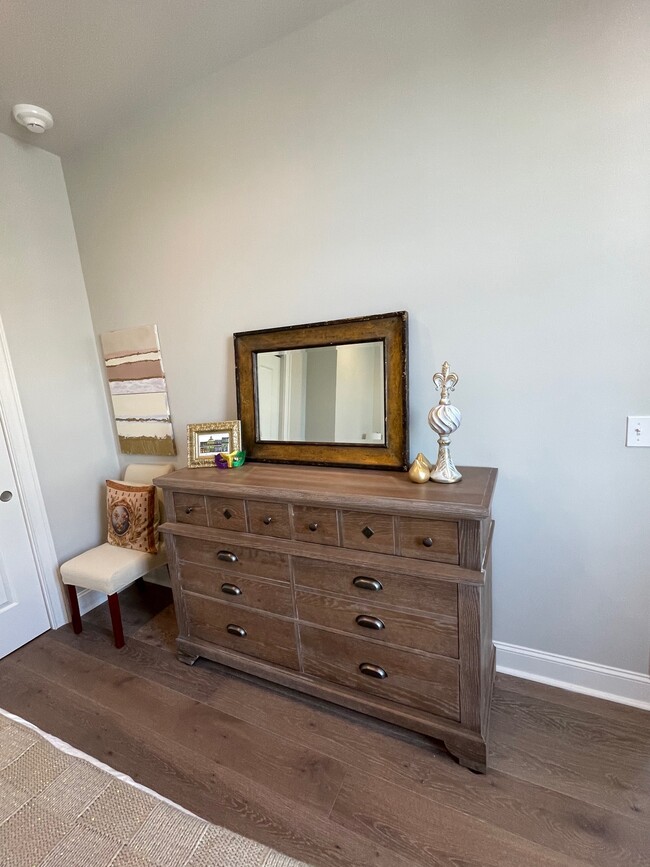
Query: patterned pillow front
(132, 516)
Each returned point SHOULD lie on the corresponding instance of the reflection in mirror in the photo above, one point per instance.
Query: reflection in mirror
(323, 394)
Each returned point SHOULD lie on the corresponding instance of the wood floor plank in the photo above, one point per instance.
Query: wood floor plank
(573, 701)
(212, 791)
(433, 834)
(560, 822)
(604, 734)
(308, 776)
(563, 764)
(571, 759)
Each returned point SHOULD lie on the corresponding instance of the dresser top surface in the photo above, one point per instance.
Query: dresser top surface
(364, 489)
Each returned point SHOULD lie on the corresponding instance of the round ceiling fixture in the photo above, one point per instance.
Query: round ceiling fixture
(34, 118)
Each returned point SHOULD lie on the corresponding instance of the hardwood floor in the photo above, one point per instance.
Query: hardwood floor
(569, 778)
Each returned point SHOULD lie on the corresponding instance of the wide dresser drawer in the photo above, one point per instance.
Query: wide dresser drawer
(243, 590)
(234, 558)
(359, 617)
(428, 683)
(263, 636)
(425, 595)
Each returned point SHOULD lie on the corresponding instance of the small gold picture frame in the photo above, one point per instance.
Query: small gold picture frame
(204, 441)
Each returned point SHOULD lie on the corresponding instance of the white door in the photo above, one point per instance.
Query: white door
(23, 614)
(269, 395)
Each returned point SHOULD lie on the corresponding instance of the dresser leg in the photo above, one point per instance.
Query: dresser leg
(470, 754)
(187, 658)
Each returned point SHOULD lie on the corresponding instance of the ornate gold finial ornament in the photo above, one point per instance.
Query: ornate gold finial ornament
(444, 419)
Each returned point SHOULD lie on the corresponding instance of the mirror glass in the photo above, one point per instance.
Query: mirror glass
(322, 394)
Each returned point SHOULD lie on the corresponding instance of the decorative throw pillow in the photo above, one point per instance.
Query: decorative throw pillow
(132, 516)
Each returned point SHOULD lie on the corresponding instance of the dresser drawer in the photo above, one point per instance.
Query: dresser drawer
(429, 540)
(226, 514)
(432, 635)
(367, 531)
(190, 509)
(425, 682)
(311, 524)
(234, 559)
(269, 519)
(238, 590)
(260, 635)
(376, 587)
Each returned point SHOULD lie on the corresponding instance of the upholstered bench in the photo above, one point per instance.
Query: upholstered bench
(109, 568)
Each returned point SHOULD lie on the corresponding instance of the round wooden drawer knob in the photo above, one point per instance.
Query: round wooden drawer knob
(428, 542)
(268, 520)
(313, 526)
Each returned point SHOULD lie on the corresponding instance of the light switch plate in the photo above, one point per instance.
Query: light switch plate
(638, 431)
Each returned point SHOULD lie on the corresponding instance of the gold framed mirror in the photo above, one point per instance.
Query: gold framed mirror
(326, 393)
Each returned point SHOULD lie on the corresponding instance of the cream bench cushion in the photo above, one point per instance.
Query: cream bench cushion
(110, 569)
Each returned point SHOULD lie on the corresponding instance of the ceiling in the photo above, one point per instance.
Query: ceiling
(95, 63)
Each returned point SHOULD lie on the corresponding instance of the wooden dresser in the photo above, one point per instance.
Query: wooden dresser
(355, 586)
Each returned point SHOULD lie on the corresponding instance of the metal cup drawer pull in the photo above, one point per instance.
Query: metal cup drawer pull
(313, 526)
(364, 583)
(231, 589)
(370, 622)
(227, 556)
(371, 670)
(427, 542)
(233, 629)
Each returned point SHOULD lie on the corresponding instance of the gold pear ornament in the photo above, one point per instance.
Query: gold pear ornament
(420, 470)
(444, 419)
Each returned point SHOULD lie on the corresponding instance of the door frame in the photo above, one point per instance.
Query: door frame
(12, 421)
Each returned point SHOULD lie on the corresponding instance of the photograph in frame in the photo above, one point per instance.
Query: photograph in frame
(208, 439)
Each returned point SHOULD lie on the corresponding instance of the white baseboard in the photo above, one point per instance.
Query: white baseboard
(576, 675)
(89, 599)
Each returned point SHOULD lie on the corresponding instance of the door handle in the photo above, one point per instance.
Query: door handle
(5, 496)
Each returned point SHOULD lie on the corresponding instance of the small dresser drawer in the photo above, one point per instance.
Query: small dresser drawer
(226, 514)
(426, 682)
(368, 532)
(190, 509)
(432, 635)
(429, 540)
(233, 558)
(311, 524)
(260, 635)
(374, 587)
(238, 590)
(269, 519)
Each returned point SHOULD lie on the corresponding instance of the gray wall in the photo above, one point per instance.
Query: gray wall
(483, 165)
(45, 314)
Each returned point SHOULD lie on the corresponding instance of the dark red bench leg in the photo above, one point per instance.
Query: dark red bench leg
(116, 619)
(74, 608)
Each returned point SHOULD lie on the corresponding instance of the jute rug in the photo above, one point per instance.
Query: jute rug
(61, 809)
